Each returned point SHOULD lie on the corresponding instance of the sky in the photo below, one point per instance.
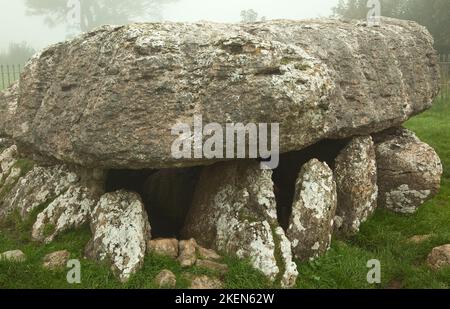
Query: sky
(18, 27)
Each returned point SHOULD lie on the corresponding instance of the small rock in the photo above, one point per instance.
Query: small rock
(439, 257)
(165, 247)
(166, 279)
(187, 251)
(56, 260)
(221, 268)
(417, 239)
(205, 283)
(13, 256)
(208, 254)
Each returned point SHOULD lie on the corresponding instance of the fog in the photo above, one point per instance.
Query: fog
(18, 26)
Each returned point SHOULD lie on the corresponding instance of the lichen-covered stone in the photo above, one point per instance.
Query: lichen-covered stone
(188, 252)
(205, 283)
(8, 158)
(120, 231)
(5, 143)
(313, 210)
(163, 246)
(56, 260)
(418, 239)
(69, 210)
(214, 266)
(356, 181)
(409, 171)
(207, 254)
(16, 256)
(234, 211)
(39, 186)
(317, 78)
(8, 107)
(166, 279)
(439, 257)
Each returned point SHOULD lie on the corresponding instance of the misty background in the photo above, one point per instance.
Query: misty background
(30, 25)
(19, 25)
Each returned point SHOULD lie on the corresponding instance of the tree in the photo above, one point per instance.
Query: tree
(17, 53)
(93, 13)
(434, 14)
(250, 16)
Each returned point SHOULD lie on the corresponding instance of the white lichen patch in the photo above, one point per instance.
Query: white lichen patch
(235, 201)
(120, 229)
(356, 180)
(37, 187)
(7, 160)
(290, 274)
(313, 211)
(69, 210)
(406, 200)
(409, 171)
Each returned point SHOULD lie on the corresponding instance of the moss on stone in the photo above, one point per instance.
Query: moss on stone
(49, 229)
(278, 255)
(302, 66)
(14, 224)
(25, 166)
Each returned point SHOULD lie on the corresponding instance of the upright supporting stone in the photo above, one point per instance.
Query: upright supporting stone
(120, 231)
(234, 211)
(311, 224)
(356, 180)
(409, 171)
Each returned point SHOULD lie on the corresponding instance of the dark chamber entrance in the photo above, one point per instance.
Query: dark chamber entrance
(167, 195)
(285, 176)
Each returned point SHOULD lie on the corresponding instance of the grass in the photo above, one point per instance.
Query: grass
(383, 237)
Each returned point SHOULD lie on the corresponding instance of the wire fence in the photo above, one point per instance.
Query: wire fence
(445, 76)
(9, 73)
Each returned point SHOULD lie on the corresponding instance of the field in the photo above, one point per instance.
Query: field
(383, 237)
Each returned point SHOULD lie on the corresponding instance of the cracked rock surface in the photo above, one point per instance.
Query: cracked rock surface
(37, 187)
(318, 78)
(311, 223)
(120, 231)
(356, 179)
(69, 210)
(409, 171)
(234, 211)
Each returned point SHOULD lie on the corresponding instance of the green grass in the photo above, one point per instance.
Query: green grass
(383, 237)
